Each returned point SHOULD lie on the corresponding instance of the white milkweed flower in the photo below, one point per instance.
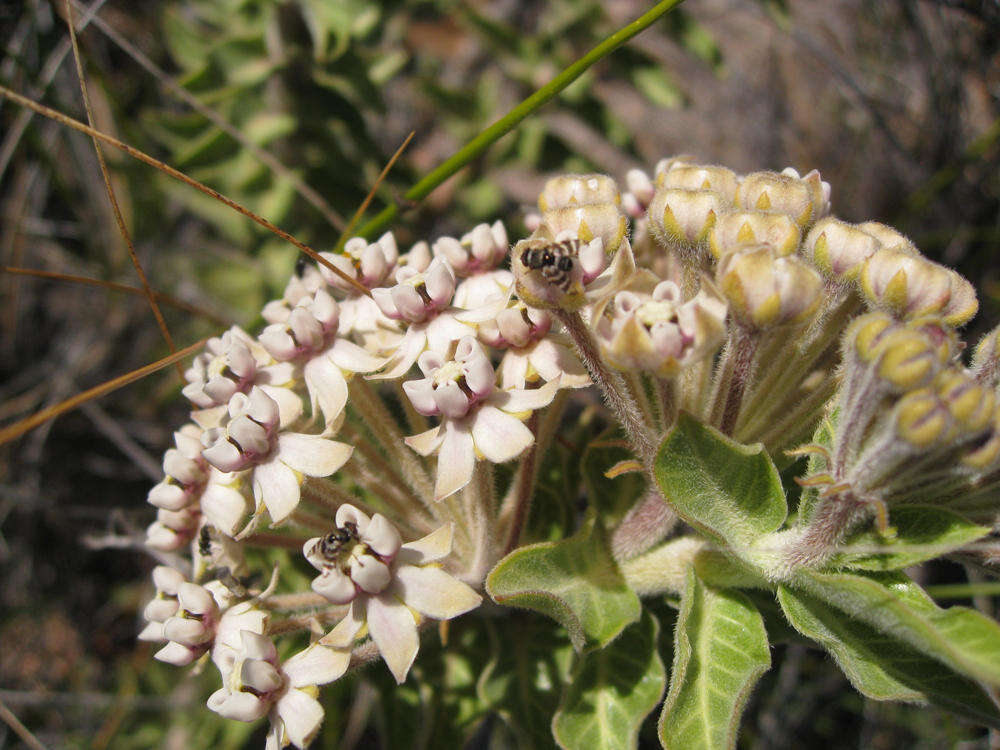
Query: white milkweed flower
(185, 472)
(307, 334)
(259, 684)
(423, 299)
(391, 586)
(172, 529)
(479, 420)
(475, 259)
(251, 441)
(234, 363)
(532, 350)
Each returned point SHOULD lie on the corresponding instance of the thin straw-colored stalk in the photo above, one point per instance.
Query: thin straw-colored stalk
(19, 428)
(115, 286)
(19, 729)
(178, 175)
(113, 199)
(508, 122)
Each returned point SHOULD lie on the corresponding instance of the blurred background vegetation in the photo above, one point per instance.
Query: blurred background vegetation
(897, 103)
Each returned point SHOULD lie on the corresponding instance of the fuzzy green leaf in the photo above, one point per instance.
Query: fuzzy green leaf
(574, 581)
(894, 605)
(720, 650)
(922, 533)
(882, 667)
(728, 490)
(612, 691)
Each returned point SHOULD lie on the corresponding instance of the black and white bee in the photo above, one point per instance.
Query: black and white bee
(330, 547)
(555, 260)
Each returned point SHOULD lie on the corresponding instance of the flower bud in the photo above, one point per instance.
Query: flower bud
(572, 190)
(803, 199)
(970, 403)
(640, 193)
(665, 165)
(888, 236)
(922, 420)
(986, 456)
(480, 250)
(908, 360)
(736, 230)
(764, 289)
(604, 221)
(839, 249)
(865, 333)
(684, 217)
(515, 327)
(719, 180)
(908, 285)
(417, 296)
(986, 358)
(658, 332)
(369, 263)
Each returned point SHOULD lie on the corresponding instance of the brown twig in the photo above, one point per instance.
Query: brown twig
(19, 729)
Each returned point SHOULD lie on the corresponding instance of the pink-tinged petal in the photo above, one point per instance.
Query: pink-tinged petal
(440, 282)
(317, 665)
(421, 395)
(158, 610)
(275, 738)
(181, 467)
(347, 513)
(484, 307)
(177, 654)
(224, 456)
(346, 631)
(169, 496)
(195, 599)
(161, 538)
(277, 374)
(410, 347)
(434, 546)
(451, 250)
(327, 387)
(349, 356)
(224, 506)
(383, 298)
(513, 369)
(432, 592)
(239, 706)
(382, 536)
(551, 360)
(260, 675)
(408, 302)
(152, 633)
(394, 631)
(289, 403)
(456, 461)
(276, 486)
(301, 714)
(445, 329)
(370, 574)
(167, 579)
(426, 442)
(526, 399)
(499, 436)
(430, 361)
(186, 631)
(279, 342)
(335, 586)
(209, 418)
(592, 259)
(257, 646)
(451, 400)
(312, 455)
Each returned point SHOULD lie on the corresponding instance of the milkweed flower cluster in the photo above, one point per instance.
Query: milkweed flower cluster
(361, 431)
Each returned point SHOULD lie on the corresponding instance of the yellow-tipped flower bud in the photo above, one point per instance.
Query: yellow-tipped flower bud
(604, 220)
(684, 217)
(908, 359)
(922, 420)
(888, 236)
(908, 285)
(839, 249)
(700, 177)
(578, 190)
(866, 332)
(764, 289)
(969, 402)
(987, 455)
(736, 230)
(986, 358)
(803, 199)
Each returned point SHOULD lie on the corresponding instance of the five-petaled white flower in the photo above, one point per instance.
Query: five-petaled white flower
(250, 440)
(391, 586)
(479, 420)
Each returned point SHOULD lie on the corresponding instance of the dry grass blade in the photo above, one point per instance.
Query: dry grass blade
(119, 219)
(166, 299)
(265, 157)
(371, 193)
(178, 175)
(19, 428)
(19, 729)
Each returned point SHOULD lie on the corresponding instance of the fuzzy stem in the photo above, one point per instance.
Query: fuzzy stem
(636, 389)
(646, 523)
(666, 399)
(624, 407)
(829, 526)
(481, 504)
(296, 600)
(523, 489)
(382, 476)
(281, 541)
(386, 430)
(742, 370)
(305, 622)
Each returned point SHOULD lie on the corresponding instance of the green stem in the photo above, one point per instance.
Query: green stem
(963, 590)
(508, 122)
